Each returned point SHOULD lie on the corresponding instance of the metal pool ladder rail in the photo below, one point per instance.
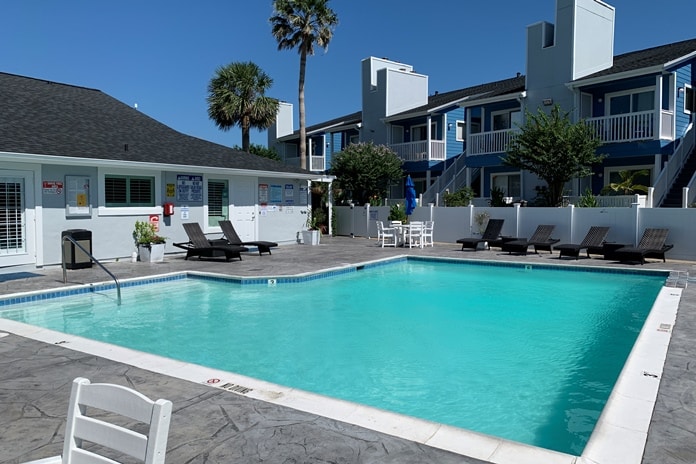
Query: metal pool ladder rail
(65, 273)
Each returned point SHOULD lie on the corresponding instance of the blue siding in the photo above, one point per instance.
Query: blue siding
(454, 147)
(684, 76)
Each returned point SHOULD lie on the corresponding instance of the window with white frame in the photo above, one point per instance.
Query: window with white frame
(503, 120)
(510, 184)
(689, 99)
(218, 201)
(128, 191)
(460, 131)
(420, 132)
(633, 101)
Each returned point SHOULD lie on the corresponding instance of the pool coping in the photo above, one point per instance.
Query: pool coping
(619, 435)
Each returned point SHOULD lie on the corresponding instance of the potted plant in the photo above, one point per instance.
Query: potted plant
(311, 236)
(150, 245)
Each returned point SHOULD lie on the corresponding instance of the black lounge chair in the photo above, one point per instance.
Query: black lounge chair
(492, 232)
(199, 245)
(541, 240)
(651, 245)
(595, 238)
(233, 239)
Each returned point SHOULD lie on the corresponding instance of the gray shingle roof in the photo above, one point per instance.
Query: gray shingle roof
(48, 118)
(647, 58)
(487, 90)
(352, 118)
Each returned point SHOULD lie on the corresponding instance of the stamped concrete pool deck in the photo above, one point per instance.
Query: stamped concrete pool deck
(214, 425)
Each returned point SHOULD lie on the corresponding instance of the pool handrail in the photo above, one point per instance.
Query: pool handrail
(65, 273)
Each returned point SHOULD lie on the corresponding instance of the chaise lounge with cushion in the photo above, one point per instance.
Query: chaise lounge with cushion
(199, 245)
(491, 233)
(651, 245)
(595, 238)
(233, 238)
(540, 240)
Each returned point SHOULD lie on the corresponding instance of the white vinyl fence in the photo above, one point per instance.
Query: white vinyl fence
(626, 224)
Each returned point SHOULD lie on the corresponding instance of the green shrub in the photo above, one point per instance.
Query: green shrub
(587, 200)
(397, 213)
(461, 197)
(497, 195)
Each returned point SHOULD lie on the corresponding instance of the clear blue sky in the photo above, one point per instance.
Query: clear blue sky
(161, 54)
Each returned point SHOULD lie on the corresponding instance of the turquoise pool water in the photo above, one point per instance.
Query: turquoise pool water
(525, 353)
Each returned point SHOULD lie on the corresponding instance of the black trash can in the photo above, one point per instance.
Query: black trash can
(74, 257)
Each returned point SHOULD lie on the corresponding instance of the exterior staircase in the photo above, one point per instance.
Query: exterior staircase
(452, 179)
(673, 198)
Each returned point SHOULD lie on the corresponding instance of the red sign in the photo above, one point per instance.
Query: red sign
(154, 220)
(52, 187)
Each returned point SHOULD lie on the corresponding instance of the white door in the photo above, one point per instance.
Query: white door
(17, 230)
(243, 207)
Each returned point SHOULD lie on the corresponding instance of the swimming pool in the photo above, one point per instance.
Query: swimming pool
(398, 304)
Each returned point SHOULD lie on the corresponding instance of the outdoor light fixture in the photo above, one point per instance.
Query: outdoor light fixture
(449, 126)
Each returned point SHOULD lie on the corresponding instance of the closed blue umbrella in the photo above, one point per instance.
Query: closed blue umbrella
(410, 196)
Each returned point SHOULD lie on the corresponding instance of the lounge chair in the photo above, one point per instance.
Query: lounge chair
(595, 238)
(651, 245)
(199, 245)
(541, 240)
(86, 424)
(233, 239)
(492, 232)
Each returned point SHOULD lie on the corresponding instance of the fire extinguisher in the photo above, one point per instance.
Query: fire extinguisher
(168, 209)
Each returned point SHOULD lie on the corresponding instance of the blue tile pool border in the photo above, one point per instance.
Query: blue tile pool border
(279, 280)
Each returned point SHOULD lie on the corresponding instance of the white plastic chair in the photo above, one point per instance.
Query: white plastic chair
(120, 400)
(427, 235)
(386, 235)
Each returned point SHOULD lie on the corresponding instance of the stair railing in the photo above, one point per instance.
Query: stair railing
(65, 273)
(673, 166)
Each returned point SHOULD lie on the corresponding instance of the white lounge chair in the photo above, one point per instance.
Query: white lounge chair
(149, 449)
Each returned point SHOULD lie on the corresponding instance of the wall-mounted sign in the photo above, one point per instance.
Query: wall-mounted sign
(289, 194)
(263, 194)
(77, 200)
(52, 187)
(304, 195)
(155, 221)
(189, 188)
(171, 190)
(276, 193)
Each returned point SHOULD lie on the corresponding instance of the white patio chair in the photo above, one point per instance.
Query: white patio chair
(94, 430)
(386, 235)
(427, 236)
(414, 234)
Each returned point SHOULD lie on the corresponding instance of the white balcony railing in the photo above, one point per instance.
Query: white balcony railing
(630, 127)
(418, 151)
(489, 142)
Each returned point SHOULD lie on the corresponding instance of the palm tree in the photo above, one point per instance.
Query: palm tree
(627, 184)
(236, 97)
(301, 24)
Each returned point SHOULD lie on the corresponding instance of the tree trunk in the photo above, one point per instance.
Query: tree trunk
(245, 134)
(303, 127)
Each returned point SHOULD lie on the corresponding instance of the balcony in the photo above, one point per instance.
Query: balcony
(418, 151)
(633, 126)
(489, 142)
